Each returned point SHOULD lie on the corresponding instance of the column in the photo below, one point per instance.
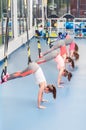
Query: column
(15, 22)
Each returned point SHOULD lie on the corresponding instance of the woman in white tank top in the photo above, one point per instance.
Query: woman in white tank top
(34, 68)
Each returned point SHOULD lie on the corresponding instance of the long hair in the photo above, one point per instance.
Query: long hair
(76, 55)
(67, 74)
(76, 47)
(52, 89)
(70, 60)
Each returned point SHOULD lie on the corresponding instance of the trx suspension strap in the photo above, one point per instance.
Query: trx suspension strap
(26, 18)
(4, 71)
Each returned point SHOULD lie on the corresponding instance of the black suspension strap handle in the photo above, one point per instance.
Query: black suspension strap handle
(4, 70)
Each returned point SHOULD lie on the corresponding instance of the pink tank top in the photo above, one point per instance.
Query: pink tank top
(63, 50)
(72, 46)
(60, 61)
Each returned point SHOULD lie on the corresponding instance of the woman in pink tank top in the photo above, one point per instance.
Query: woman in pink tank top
(62, 71)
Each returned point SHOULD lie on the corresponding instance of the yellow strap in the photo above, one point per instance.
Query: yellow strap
(25, 3)
(49, 41)
(5, 64)
(39, 46)
(9, 4)
(47, 34)
(28, 52)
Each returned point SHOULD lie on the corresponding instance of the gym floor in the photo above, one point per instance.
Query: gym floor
(18, 98)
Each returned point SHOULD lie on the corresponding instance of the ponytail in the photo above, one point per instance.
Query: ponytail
(54, 92)
(70, 60)
(69, 76)
(76, 47)
(76, 55)
(52, 89)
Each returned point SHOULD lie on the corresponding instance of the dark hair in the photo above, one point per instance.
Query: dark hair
(76, 55)
(38, 41)
(76, 47)
(69, 74)
(70, 60)
(52, 89)
(59, 34)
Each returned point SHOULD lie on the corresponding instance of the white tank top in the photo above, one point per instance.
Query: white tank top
(39, 76)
